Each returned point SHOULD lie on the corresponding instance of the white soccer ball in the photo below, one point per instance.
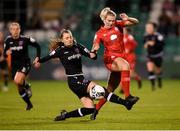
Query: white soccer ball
(97, 92)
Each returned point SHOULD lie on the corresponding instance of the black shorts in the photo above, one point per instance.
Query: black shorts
(78, 84)
(3, 65)
(20, 67)
(157, 61)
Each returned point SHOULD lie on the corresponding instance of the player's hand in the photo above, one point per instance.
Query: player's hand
(123, 16)
(93, 55)
(36, 63)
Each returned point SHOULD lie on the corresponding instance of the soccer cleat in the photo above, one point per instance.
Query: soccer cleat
(28, 90)
(132, 99)
(129, 105)
(94, 114)
(61, 117)
(29, 106)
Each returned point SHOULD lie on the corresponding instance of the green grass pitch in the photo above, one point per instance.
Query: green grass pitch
(156, 110)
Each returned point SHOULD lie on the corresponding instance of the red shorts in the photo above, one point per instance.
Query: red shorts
(108, 59)
(131, 59)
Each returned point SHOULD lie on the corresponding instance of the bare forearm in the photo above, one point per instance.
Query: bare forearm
(133, 20)
(95, 48)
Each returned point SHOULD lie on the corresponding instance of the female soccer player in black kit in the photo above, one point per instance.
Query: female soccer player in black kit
(17, 46)
(154, 43)
(69, 52)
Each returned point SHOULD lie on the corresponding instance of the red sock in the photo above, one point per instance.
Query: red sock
(100, 103)
(125, 82)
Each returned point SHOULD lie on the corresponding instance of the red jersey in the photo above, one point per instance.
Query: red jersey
(112, 38)
(130, 43)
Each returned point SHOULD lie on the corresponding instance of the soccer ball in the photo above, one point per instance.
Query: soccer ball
(97, 92)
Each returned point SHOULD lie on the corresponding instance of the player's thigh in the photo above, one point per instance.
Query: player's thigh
(120, 64)
(19, 77)
(150, 66)
(87, 102)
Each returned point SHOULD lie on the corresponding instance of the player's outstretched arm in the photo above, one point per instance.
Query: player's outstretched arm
(129, 20)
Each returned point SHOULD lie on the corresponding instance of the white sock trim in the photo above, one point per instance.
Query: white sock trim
(109, 96)
(79, 111)
(23, 95)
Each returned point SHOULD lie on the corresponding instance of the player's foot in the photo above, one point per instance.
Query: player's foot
(61, 117)
(132, 99)
(139, 82)
(29, 106)
(94, 114)
(28, 90)
(129, 105)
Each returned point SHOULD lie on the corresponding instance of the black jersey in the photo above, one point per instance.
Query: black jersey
(19, 48)
(157, 49)
(70, 57)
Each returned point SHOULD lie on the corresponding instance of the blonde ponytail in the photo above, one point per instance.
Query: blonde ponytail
(54, 43)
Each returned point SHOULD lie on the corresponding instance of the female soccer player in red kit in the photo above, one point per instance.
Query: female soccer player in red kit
(130, 45)
(111, 36)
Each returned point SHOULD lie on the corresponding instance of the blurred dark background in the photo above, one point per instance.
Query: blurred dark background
(43, 19)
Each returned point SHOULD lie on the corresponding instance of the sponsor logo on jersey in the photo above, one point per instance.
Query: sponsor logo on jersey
(11, 42)
(17, 48)
(74, 56)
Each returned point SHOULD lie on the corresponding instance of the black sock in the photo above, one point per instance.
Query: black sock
(152, 78)
(159, 78)
(80, 112)
(24, 96)
(114, 98)
(6, 79)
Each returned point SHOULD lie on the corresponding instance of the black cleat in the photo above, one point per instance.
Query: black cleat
(132, 99)
(61, 117)
(28, 90)
(94, 114)
(29, 106)
(129, 105)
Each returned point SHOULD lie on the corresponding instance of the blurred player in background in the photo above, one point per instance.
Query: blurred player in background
(69, 53)
(3, 65)
(17, 46)
(111, 36)
(154, 43)
(130, 45)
